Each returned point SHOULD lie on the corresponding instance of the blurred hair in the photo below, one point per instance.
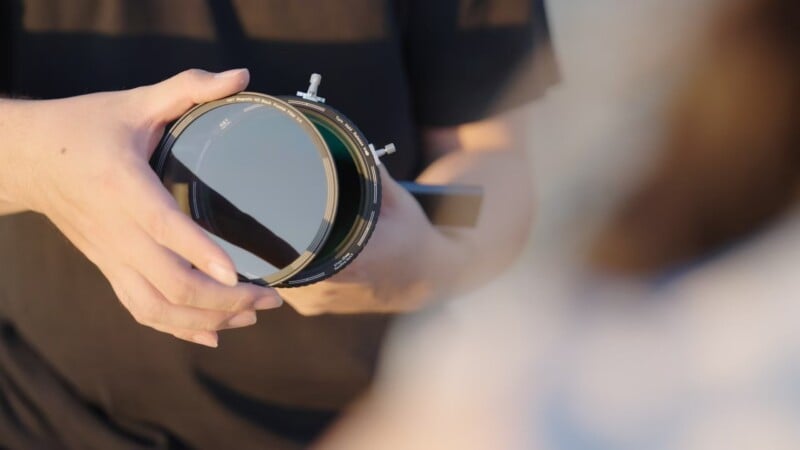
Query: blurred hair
(731, 159)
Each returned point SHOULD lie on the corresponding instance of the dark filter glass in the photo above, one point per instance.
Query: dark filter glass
(255, 178)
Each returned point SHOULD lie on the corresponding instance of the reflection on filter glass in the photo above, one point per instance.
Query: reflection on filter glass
(256, 179)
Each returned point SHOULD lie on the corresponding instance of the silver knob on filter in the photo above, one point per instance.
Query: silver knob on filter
(313, 88)
(379, 153)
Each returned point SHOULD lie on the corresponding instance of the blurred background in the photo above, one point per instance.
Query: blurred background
(655, 305)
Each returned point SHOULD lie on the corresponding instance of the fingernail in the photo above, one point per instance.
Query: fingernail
(230, 73)
(208, 340)
(243, 319)
(268, 302)
(222, 274)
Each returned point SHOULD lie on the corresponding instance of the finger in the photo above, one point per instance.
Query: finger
(151, 309)
(170, 98)
(158, 214)
(206, 338)
(391, 191)
(182, 285)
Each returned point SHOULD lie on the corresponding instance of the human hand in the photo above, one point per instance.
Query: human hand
(83, 162)
(404, 264)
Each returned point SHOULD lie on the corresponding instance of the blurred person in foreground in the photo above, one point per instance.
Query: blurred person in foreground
(105, 77)
(731, 164)
(682, 332)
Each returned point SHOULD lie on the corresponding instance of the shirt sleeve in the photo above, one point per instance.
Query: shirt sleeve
(470, 59)
(10, 14)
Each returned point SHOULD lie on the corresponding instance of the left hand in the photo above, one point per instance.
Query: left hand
(404, 264)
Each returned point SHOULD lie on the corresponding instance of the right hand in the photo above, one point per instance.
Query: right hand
(83, 162)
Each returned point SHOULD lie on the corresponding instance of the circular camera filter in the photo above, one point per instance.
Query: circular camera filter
(257, 175)
(358, 189)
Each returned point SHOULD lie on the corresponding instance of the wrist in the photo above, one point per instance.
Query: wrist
(12, 114)
(25, 127)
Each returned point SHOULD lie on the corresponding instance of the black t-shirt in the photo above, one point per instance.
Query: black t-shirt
(75, 369)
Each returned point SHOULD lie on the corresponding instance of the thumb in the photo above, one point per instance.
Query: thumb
(391, 191)
(169, 99)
